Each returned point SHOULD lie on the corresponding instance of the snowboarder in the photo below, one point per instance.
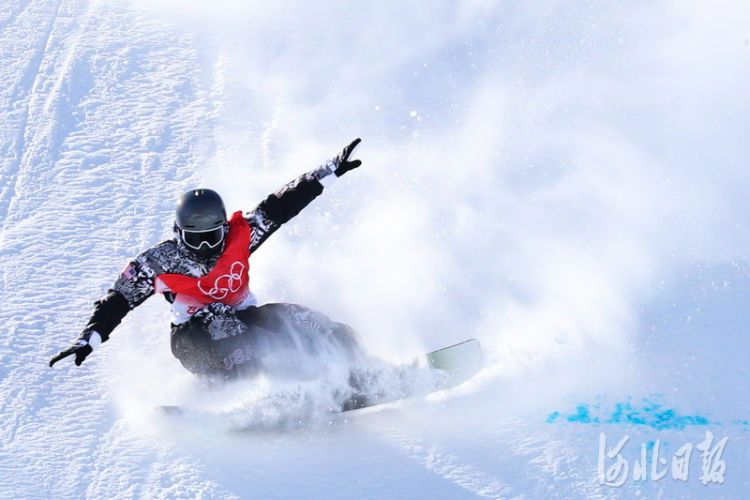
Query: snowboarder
(217, 326)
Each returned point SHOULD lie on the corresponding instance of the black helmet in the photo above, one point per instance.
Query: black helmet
(201, 221)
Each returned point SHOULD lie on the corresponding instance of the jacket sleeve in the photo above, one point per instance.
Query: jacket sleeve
(133, 286)
(108, 313)
(281, 206)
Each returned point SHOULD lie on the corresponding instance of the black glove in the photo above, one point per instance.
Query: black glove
(342, 164)
(82, 347)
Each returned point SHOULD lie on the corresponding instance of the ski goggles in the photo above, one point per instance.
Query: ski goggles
(197, 239)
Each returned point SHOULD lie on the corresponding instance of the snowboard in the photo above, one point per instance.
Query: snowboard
(461, 361)
(454, 364)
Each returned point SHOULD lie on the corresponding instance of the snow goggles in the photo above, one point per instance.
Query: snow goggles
(197, 239)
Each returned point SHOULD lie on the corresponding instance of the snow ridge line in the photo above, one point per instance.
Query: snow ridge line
(36, 123)
(21, 91)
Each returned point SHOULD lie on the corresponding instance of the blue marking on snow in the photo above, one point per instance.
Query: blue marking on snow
(583, 416)
(648, 412)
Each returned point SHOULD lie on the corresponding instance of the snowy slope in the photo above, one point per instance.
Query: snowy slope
(568, 183)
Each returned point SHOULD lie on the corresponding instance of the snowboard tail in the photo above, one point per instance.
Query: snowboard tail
(461, 361)
(455, 365)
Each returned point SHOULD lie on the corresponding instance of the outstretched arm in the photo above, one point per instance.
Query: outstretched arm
(132, 287)
(279, 207)
(108, 313)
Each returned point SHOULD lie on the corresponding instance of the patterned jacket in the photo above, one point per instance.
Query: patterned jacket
(136, 283)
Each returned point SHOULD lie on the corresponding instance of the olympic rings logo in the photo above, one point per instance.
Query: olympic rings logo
(226, 283)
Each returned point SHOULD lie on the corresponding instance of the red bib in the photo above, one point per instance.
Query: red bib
(228, 281)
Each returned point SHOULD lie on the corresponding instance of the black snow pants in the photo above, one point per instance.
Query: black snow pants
(222, 341)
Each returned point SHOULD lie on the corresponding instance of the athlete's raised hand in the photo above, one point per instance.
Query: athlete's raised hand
(342, 164)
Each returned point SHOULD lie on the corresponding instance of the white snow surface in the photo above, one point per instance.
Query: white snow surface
(566, 181)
